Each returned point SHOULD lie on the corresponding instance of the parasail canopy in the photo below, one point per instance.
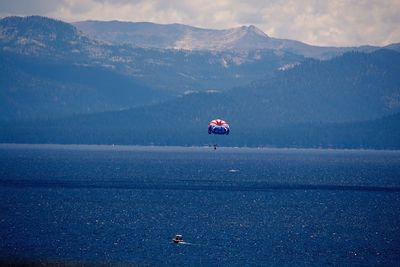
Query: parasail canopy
(218, 126)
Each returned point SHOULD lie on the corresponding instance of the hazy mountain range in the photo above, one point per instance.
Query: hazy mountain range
(178, 36)
(144, 83)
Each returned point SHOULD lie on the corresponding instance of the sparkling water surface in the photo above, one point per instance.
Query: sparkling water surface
(233, 206)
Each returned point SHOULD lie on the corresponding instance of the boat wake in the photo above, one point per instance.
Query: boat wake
(184, 243)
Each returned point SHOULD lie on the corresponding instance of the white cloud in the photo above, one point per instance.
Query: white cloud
(336, 22)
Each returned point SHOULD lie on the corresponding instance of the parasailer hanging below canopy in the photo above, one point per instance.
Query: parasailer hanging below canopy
(218, 126)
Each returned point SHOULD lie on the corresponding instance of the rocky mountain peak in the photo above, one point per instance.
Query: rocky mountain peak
(251, 29)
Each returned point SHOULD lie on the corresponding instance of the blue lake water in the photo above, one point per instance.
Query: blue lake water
(233, 206)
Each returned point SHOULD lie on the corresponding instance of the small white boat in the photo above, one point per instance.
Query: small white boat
(178, 239)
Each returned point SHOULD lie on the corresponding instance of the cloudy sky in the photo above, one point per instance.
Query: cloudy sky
(318, 22)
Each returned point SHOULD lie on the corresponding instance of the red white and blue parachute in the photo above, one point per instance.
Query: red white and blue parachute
(218, 126)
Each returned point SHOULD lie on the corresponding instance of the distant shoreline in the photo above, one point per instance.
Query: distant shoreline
(149, 148)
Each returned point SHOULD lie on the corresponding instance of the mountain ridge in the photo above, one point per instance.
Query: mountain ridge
(181, 36)
(41, 42)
